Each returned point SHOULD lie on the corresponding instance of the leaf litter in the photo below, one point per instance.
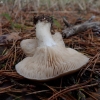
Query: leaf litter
(82, 85)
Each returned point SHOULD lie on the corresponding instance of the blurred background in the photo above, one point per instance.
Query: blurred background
(53, 4)
(19, 11)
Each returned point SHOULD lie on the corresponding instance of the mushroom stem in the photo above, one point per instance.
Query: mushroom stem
(43, 34)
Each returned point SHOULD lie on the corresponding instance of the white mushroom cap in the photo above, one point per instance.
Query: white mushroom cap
(51, 62)
(29, 46)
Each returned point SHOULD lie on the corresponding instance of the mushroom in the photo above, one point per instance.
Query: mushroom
(48, 58)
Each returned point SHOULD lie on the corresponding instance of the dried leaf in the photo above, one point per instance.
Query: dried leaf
(9, 37)
(13, 36)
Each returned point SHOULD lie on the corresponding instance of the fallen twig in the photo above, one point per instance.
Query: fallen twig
(69, 31)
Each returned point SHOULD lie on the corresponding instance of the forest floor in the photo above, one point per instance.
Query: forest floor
(16, 25)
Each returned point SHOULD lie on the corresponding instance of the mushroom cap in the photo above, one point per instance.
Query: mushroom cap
(29, 46)
(51, 62)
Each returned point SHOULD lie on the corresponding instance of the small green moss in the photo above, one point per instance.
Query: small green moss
(57, 23)
(7, 16)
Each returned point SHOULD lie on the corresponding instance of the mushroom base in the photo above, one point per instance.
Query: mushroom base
(51, 62)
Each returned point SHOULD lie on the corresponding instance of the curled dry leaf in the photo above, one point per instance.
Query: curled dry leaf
(13, 36)
(9, 37)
